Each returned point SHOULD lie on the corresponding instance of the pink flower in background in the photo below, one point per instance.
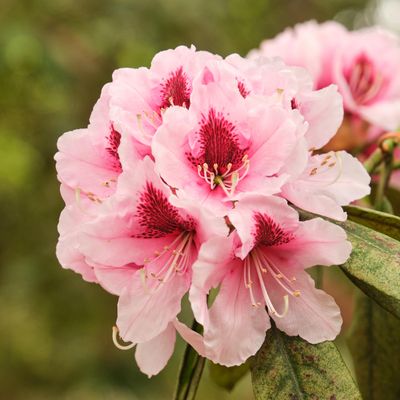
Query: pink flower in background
(361, 63)
(260, 271)
(225, 144)
(364, 69)
(309, 45)
(142, 245)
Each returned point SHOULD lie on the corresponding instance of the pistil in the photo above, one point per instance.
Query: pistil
(225, 177)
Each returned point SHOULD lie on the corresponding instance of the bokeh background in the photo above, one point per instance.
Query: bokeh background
(55, 55)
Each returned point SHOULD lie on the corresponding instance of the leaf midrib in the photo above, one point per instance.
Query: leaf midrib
(287, 358)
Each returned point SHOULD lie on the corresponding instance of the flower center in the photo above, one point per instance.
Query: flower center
(222, 162)
(114, 140)
(157, 217)
(364, 81)
(257, 265)
(176, 90)
(326, 169)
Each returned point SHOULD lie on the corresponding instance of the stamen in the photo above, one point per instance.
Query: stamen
(177, 260)
(78, 195)
(337, 161)
(115, 334)
(248, 282)
(264, 291)
(228, 180)
(143, 279)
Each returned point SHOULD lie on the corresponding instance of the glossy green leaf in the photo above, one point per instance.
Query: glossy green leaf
(227, 377)
(374, 342)
(289, 368)
(374, 265)
(379, 221)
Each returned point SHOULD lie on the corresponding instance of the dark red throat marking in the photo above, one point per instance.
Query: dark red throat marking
(176, 90)
(242, 89)
(114, 140)
(268, 232)
(364, 81)
(157, 217)
(219, 143)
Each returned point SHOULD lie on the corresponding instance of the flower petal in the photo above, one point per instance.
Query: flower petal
(153, 356)
(236, 329)
(313, 315)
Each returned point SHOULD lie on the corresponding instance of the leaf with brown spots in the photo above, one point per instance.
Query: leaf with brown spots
(387, 224)
(374, 265)
(289, 368)
(374, 342)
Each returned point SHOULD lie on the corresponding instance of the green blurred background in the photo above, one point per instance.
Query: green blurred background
(55, 55)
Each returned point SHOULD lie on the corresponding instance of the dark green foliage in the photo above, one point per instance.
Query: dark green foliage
(289, 368)
(374, 265)
(379, 221)
(374, 343)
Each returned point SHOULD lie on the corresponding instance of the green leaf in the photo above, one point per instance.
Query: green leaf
(289, 368)
(227, 377)
(374, 342)
(379, 221)
(190, 372)
(374, 265)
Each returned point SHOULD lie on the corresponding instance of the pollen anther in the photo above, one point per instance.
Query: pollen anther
(115, 334)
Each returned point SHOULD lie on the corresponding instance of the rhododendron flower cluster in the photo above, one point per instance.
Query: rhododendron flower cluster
(189, 177)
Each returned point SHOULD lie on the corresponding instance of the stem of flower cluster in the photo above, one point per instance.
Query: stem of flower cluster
(373, 161)
(190, 371)
(387, 145)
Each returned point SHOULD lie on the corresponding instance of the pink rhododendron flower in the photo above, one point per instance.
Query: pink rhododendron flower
(142, 246)
(140, 96)
(225, 144)
(364, 69)
(130, 108)
(260, 270)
